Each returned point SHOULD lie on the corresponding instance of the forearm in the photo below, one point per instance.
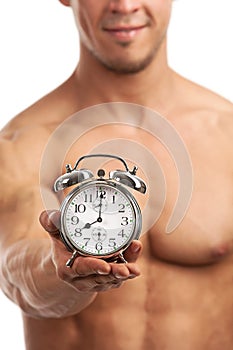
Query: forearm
(29, 278)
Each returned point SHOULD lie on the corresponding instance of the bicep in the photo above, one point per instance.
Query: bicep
(19, 215)
(20, 196)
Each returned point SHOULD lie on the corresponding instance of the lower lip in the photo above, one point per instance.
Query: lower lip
(125, 35)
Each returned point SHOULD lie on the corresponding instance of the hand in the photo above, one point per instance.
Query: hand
(88, 274)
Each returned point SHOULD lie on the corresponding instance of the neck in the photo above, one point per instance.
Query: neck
(152, 87)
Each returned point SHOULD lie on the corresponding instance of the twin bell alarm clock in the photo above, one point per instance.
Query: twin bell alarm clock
(100, 216)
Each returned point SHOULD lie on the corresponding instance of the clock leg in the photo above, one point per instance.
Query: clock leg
(70, 262)
(121, 258)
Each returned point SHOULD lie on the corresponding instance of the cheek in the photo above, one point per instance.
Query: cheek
(86, 22)
(86, 13)
(161, 10)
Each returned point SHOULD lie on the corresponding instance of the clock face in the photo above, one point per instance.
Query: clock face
(99, 219)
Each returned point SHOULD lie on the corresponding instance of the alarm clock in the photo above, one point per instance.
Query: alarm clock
(100, 217)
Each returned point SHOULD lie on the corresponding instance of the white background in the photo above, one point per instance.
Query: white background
(39, 50)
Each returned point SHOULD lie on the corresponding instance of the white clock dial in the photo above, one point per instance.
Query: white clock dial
(99, 219)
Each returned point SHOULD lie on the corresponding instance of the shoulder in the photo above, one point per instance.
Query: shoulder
(24, 138)
(27, 133)
(205, 106)
(20, 153)
(219, 114)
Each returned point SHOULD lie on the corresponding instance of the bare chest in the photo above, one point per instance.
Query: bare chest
(202, 229)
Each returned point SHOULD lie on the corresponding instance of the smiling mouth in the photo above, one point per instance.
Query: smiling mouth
(124, 32)
(124, 28)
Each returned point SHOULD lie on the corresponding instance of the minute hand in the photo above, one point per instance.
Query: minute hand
(100, 208)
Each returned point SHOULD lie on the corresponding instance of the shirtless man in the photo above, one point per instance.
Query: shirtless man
(176, 292)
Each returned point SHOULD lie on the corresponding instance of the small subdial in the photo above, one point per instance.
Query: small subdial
(100, 205)
(99, 234)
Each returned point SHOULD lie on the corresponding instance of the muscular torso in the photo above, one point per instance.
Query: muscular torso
(183, 298)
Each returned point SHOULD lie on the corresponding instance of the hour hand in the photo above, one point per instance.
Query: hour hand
(88, 225)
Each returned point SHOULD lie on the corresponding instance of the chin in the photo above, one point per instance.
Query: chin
(126, 64)
(130, 68)
(127, 67)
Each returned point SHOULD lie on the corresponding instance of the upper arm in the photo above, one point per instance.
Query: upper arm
(20, 195)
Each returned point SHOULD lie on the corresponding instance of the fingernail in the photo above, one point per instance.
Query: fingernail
(136, 249)
(100, 272)
(119, 276)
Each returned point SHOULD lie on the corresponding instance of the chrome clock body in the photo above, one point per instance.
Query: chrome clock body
(100, 217)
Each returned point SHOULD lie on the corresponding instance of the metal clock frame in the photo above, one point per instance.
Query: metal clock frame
(108, 183)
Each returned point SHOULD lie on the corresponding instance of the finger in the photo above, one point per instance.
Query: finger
(125, 271)
(108, 286)
(120, 271)
(95, 283)
(50, 221)
(85, 266)
(132, 253)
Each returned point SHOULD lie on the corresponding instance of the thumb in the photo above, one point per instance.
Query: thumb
(132, 253)
(50, 221)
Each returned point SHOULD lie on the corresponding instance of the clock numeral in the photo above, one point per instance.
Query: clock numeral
(99, 246)
(78, 232)
(74, 220)
(87, 241)
(113, 199)
(101, 193)
(125, 221)
(112, 242)
(121, 233)
(121, 208)
(88, 198)
(80, 208)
